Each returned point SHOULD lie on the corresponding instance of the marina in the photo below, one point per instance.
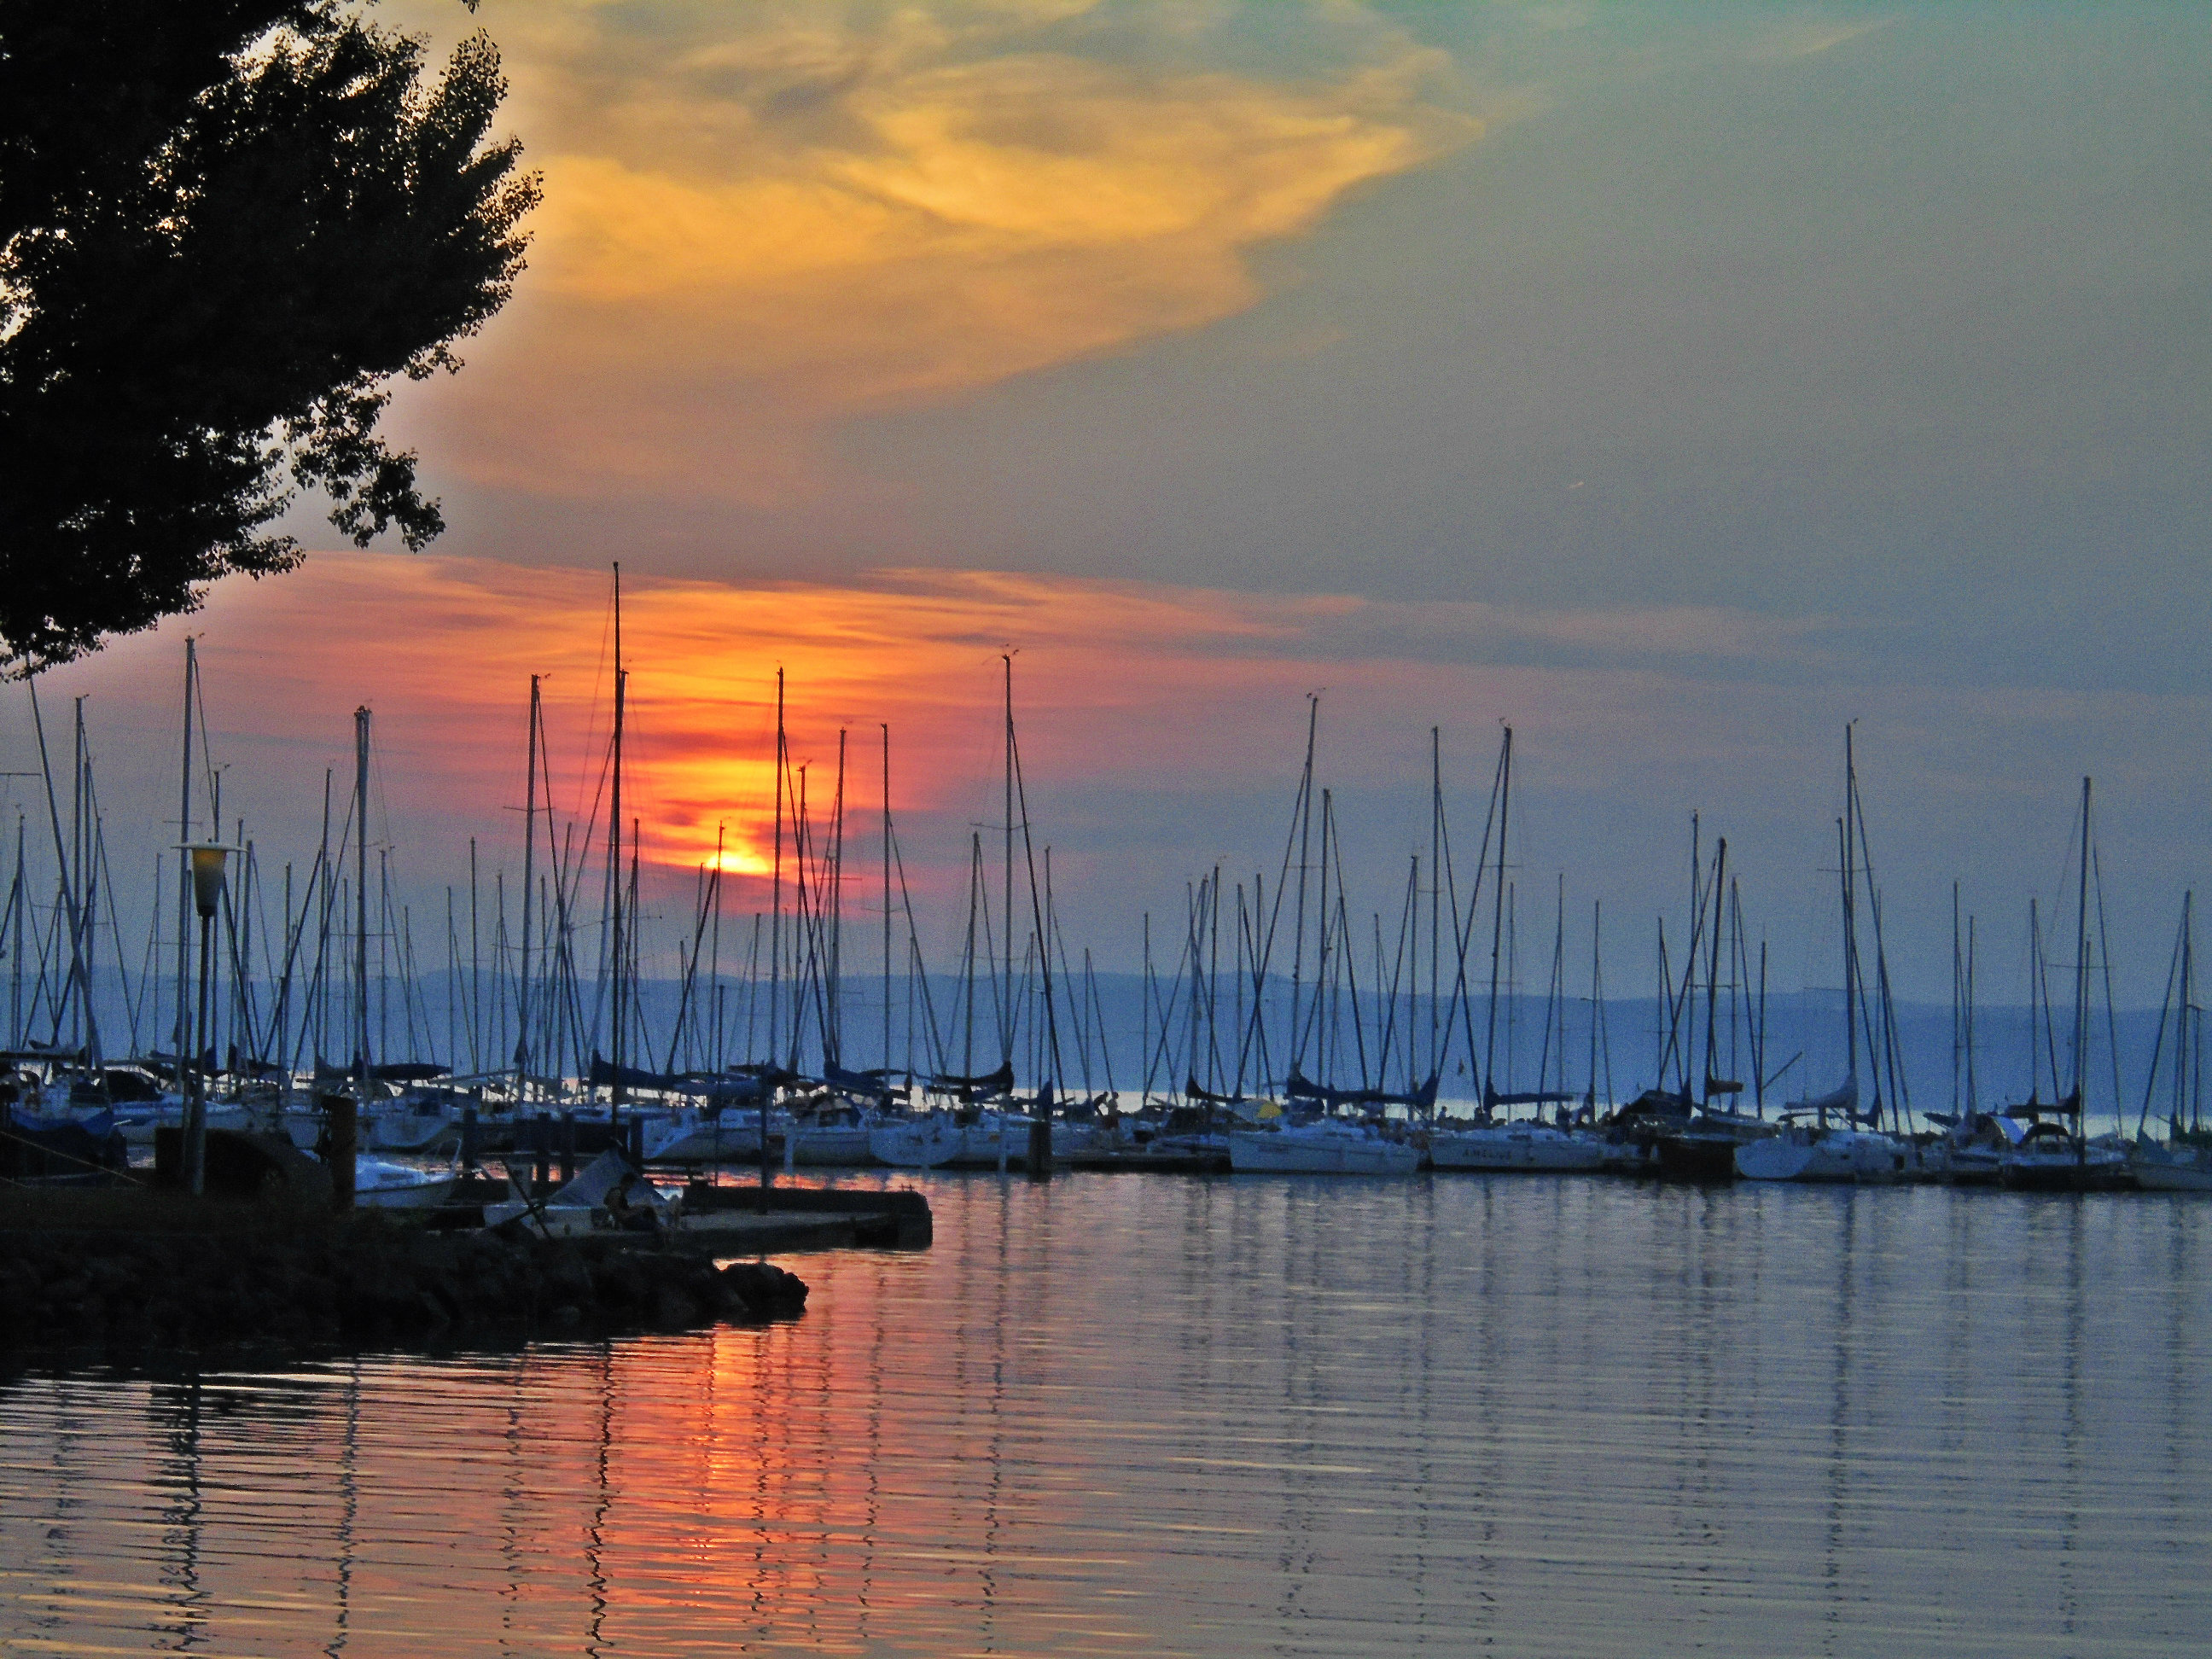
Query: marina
(1249, 829)
(1284, 1067)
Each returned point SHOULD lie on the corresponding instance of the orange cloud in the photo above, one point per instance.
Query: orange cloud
(761, 219)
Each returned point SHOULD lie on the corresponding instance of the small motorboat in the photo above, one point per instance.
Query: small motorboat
(378, 1185)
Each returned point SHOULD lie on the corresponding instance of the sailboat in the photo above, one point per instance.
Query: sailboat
(2183, 1164)
(1327, 1146)
(1696, 1145)
(2055, 1154)
(931, 1139)
(1522, 1146)
(976, 1134)
(1325, 1143)
(1821, 1140)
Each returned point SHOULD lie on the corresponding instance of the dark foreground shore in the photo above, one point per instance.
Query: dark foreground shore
(126, 1271)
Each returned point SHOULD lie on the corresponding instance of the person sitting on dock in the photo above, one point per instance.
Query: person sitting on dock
(633, 1217)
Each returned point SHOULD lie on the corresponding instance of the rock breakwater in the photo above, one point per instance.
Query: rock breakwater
(362, 1281)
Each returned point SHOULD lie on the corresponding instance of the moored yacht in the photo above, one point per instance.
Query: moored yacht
(1327, 1146)
(2049, 1158)
(1526, 1146)
(926, 1140)
(1823, 1138)
(381, 1185)
(2171, 1167)
(1808, 1147)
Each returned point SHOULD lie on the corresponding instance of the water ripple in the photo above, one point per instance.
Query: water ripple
(1113, 1415)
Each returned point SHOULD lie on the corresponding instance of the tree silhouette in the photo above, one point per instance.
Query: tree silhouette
(226, 228)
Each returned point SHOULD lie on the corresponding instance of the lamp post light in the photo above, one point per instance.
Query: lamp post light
(207, 862)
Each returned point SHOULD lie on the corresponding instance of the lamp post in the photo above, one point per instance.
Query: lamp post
(208, 860)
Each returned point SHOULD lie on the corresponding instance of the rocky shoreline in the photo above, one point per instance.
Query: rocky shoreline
(184, 1276)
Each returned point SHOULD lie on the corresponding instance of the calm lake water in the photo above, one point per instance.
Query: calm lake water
(1133, 1415)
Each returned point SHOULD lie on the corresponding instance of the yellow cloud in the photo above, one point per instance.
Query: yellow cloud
(761, 219)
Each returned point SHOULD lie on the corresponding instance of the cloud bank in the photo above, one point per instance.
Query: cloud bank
(762, 219)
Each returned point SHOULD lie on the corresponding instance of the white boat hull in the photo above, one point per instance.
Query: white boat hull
(1074, 1140)
(139, 1123)
(1821, 1154)
(918, 1143)
(2159, 1171)
(992, 1138)
(1533, 1149)
(831, 1145)
(2060, 1169)
(410, 1132)
(695, 1137)
(377, 1185)
(1319, 1149)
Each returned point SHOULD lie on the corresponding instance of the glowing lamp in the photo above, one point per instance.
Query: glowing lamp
(208, 859)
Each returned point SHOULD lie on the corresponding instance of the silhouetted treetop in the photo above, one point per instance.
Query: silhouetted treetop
(226, 228)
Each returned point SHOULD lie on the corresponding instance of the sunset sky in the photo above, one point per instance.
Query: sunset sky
(1675, 382)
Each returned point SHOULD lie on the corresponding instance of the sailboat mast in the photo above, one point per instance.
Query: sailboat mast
(2181, 1033)
(1759, 1049)
(360, 898)
(78, 995)
(475, 961)
(1006, 915)
(1213, 982)
(1850, 964)
(636, 856)
(1850, 914)
(1556, 1020)
(1713, 964)
(16, 912)
(1498, 917)
(2081, 973)
(1436, 891)
(2034, 977)
(185, 864)
(887, 905)
(1325, 1003)
(1305, 842)
(615, 954)
(714, 955)
(776, 890)
(529, 888)
(1973, 1093)
(835, 1034)
(320, 992)
(1597, 922)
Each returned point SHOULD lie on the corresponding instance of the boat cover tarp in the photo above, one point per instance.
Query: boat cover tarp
(1193, 1090)
(392, 1071)
(997, 1083)
(871, 1084)
(604, 1075)
(2030, 1107)
(78, 1147)
(1528, 1097)
(1842, 1101)
(164, 1064)
(246, 1066)
(1297, 1086)
(738, 1091)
